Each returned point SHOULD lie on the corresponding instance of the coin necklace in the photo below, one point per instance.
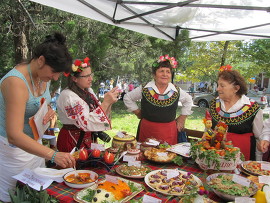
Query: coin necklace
(35, 88)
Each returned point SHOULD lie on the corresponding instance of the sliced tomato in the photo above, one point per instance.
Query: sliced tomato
(83, 154)
(108, 157)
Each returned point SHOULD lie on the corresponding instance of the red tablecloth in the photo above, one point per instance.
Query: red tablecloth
(65, 194)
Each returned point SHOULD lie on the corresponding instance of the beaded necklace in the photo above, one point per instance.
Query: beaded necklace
(35, 89)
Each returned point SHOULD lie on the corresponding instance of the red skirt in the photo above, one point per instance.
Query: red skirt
(160, 131)
(66, 142)
(243, 141)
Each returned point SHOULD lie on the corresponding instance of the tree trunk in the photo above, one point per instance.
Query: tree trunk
(225, 49)
(19, 28)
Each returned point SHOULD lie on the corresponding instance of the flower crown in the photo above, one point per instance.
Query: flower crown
(78, 66)
(227, 67)
(166, 57)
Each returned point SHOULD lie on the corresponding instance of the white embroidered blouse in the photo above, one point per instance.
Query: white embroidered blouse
(131, 97)
(72, 110)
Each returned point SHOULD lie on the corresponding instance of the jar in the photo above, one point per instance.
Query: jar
(124, 143)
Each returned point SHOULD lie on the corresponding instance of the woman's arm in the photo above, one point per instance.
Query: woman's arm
(16, 94)
(187, 103)
(130, 99)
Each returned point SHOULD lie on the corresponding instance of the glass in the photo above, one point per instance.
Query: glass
(86, 76)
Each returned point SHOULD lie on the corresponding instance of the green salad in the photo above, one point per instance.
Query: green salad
(225, 184)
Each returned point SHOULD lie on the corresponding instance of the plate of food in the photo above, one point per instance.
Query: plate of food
(257, 168)
(224, 186)
(132, 171)
(182, 149)
(159, 155)
(105, 191)
(181, 184)
(80, 178)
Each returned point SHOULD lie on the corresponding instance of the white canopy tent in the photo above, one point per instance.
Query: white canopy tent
(206, 20)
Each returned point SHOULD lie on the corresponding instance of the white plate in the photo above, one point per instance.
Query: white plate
(93, 175)
(252, 172)
(182, 148)
(147, 177)
(225, 196)
(79, 195)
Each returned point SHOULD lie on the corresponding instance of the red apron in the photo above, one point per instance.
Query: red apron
(242, 141)
(66, 142)
(160, 131)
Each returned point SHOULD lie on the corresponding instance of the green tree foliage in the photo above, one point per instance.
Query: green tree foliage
(120, 53)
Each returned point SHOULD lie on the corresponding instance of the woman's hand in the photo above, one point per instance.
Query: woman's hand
(65, 160)
(138, 113)
(180, 122)
(111, 96)
(263, 146)
(49, 115)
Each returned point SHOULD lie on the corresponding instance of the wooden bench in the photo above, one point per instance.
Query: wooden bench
(194, 134)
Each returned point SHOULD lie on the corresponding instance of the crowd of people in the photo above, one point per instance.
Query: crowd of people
(85, 117)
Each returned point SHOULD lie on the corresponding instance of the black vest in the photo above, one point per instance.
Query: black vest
(239, 122)
(159, 108)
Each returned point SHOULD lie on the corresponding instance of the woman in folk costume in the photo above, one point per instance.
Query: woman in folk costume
(242, 115)
(80, 111)
(159, 102)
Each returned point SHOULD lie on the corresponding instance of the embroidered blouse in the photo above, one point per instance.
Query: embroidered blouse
(257, 124)
(73, 110)
(136, 95)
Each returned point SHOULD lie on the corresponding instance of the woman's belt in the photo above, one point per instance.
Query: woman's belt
(70, 127)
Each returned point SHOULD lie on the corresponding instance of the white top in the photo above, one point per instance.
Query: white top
(135, 95)
(266, 130)
(73, 110)
(257, 124)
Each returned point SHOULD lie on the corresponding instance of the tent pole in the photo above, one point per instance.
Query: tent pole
(176, 35)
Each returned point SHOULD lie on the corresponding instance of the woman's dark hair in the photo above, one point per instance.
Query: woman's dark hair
(157, 65)
(235, 78)
(73, 87)
(55, 53)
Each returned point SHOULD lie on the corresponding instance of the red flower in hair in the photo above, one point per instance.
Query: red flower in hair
(86, 60)
(77, 62)
(66, 74)
(227, 67)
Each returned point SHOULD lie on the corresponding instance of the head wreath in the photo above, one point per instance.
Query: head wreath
(79, 66)
(227, 67)
(166, 57)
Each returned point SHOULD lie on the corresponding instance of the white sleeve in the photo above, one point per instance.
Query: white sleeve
(73, 110)
(187, 103)
(266, 130)
(130, 99)
(257, 124)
